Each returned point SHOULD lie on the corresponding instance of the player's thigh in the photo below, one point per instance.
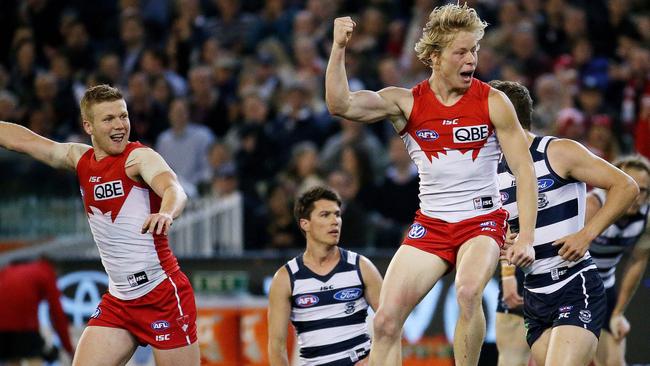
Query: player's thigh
(571, 345)
(182, 356)
(511, 340)
(539, 349)
(477, 261)
(104, 346)
(410, 276)
(610, 352)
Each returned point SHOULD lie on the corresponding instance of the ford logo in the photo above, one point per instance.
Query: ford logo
(160, 325)
(306, 301)
(348, 294)
(427, 135)
(544, 184)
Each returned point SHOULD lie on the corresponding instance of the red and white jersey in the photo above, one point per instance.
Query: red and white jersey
(117, 207)
(456, 152)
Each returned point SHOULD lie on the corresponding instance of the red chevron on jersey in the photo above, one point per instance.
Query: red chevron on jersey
(456, 152)
(117, 207)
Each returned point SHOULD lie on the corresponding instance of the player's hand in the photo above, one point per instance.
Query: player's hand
(574, 246)
(521, 253)
(343, 28)
(157, 223)
(510, 295)
(619, 326)
(509, 242)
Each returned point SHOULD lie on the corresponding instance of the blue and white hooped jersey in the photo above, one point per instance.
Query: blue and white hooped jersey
(560, 212)
(329, 312)
(608, 248)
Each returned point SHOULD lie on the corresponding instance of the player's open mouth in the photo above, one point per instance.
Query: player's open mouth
(467, 75)
(118, 137)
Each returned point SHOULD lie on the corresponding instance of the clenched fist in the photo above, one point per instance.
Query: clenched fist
(343, 28)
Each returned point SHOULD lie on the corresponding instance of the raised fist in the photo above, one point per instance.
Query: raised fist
(343, 28)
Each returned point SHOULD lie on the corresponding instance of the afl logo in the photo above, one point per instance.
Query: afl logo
(427, 135)
(417, 231)
(348, 294)
(306, 301)
(160, 325)
(544, 184)
(504, 197)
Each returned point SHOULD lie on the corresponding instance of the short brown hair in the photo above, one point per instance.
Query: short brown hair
(304, 205)
(633, 162)
(444, 22)
(520, 98)
(95, 95)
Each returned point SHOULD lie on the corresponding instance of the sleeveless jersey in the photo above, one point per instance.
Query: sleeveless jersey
(560, 212)
(329, 312)
(456, 152)
(117, 206)
(608, 248)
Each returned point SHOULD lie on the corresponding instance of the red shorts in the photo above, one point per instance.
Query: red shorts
(444, 238)
(165, 318)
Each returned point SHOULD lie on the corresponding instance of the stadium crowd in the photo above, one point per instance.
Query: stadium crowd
(231, 93)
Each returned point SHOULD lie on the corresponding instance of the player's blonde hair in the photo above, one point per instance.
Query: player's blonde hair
(443, 25)
(95, 95)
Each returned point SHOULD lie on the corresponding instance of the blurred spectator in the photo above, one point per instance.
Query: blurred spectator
(600, 139)
(185, 147)
(282, 230)
(231, 26)
(133, 37)
(154, 63)
(354, 133)
(571, 124)
(550, 99)
(401, 183)
(110, 69)
(225, 186)
(642, 135)
(303, 171)
(357, 231)
(23, 285)
(8, 107)
(79, 49)
(297, 119)
(147, 117)
(207, 107)
(219, 155)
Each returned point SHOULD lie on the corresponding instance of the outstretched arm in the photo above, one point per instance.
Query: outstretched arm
(514, 145)
(572, 160)
(23, 140)
(278, 318)
(152, 169)
(361, 106)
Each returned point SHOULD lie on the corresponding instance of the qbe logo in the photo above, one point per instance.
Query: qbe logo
(417, 231)
(464, 135)
(108, 190)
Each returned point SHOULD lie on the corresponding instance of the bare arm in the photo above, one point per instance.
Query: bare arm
(57, 155)
(278, 318)
(635, 268)
(361, 106)
(514, 145)
(372, 280)
(572, 160)
(153, 170)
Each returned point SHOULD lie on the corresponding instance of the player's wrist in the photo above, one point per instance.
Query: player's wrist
(508, 271)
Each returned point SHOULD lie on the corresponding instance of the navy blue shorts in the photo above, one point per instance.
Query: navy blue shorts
(581, 302)
(610, 294)
(501, 306)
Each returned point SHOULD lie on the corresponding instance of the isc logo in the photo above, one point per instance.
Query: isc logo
(162, 337)
(108, 190)
(463, 135)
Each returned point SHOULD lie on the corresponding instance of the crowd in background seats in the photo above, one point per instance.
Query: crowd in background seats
(230, 92)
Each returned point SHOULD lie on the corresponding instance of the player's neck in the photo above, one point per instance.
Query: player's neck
(445, 92)
(321, 255)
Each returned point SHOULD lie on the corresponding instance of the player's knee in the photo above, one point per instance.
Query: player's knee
(469, 296)
(386, 325)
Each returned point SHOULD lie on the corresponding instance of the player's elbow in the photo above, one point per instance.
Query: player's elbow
(631, 189)
(336, 107)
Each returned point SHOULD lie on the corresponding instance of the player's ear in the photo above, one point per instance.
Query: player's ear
(304, 224)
